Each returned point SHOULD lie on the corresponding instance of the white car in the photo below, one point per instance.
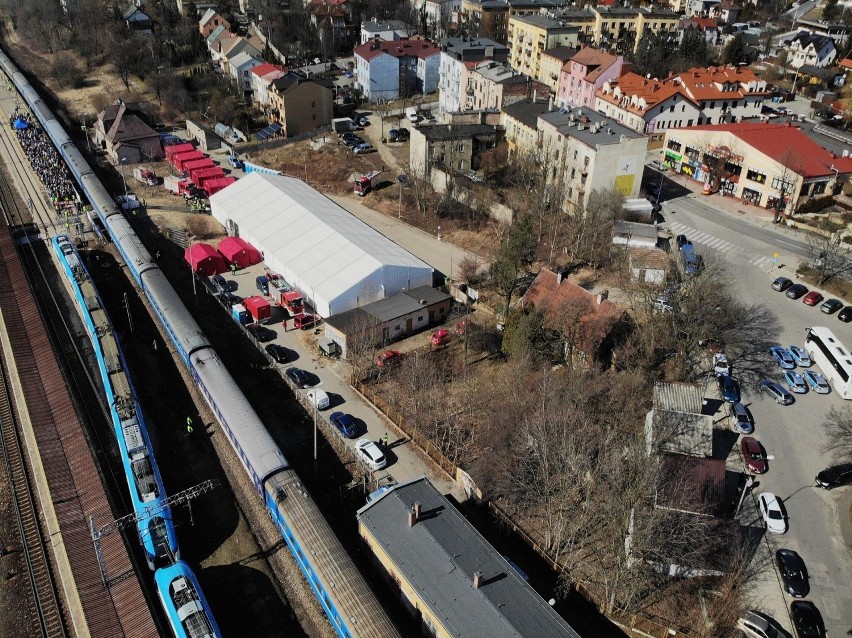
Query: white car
(319, 398)
(755, 625)
(773, 514)
(370, 453)
(721, 365)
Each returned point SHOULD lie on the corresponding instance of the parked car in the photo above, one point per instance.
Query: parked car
(403, 135)
(319, 398)
(800, 356)
(389, 358)
(834, 476)
(741, 417)
(354, 142)
(363, 121)
(299, 377)
(405, 180)
(658, 165)
(440, 337)
(728, 388)
(755, 457)
(781, 284)
(303, 321)
(772, 512)
(845, 315)
(796, 290)
(231, 299)
(807, 620)
(220, 282)
(778, 393)
(721, 365)
(830, 306)
(783, 357)
(681, 241)
(279, 353)
(793, 572)
(261, 333)
(370, 453)
(816, 381)
(756, 625)
(795, 382)
(812, 298)
(344, 423)
(363, 149)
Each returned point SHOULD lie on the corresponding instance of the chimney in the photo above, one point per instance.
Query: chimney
(602, 296)
(535, 95)
(560, 276)
(413, 514)
(550, 103)
(477, 580)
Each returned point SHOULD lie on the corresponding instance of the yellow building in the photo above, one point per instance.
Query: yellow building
(300, 105)
(530, 36)
(622, 28)
(552, 61)
(446, 573)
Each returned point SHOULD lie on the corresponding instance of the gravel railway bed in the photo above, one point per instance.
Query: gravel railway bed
(74, 490)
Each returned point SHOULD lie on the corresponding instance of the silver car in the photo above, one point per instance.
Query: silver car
(741, 419)
(756, 625)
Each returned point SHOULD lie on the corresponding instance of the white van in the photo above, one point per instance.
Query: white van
(319, 398)
(411, 114)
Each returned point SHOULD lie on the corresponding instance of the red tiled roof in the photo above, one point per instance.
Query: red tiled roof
(565, 302)
(411, 47)
(701, 84)
(267, 67)
(654, 91)
(595, 60)
(846, 63)
(783, 141)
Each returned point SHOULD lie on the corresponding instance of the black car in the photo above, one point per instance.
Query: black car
(781, 284)
(231, 299)
(845, 315)
(298, 376)
(796, 291)
(278, 353)
(834, 476)
(403, 134)
(830, 306)
(260, 333)
(680, 240)
(807, 620)
(220, 283)
(354, 141)
(405, 180)
(793, 572)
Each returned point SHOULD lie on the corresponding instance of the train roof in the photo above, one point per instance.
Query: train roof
(438, 557)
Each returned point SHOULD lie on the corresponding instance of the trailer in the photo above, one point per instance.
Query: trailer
(176, 149)
(180, 159)
(240, 314)
(213, 186)
(342, 124)
(367, 182)
(173, 183)
(199, 175)
(259, 308)
(145, 176)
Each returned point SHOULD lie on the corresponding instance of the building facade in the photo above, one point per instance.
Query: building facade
(299, 105)
(490, 18)
(529, 36)
(459, 58)
(388, 70)
(456, 148)
(492, 85)
(582, 76)
(774, 166)
(814, 50)
(552, 61)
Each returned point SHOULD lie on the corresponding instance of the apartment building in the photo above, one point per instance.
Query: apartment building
(490, 18)
(530, 36)
(385, 70)
(459, 57)
(552, 61)
(493, 85)
(582, 76)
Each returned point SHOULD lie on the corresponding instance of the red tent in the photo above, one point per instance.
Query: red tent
(216, 184)
(237, 250)
(174, 149)
(199, 176)
(204, 259)
(178, 159)
(204, 162)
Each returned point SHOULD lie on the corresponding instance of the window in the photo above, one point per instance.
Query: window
(674, 145)
(313, 104)
(724, 105)
(756, 176)
(783, 185)
(712, 105)
(819, 188)
(689, 122)
(671, 109)
(734, 104)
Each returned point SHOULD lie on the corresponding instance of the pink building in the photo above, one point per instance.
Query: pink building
(584, 74)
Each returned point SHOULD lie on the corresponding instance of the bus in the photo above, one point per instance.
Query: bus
(832, 357)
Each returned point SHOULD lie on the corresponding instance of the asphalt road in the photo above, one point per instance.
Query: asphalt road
(819, 528)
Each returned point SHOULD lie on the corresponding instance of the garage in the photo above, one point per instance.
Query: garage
(336, 261)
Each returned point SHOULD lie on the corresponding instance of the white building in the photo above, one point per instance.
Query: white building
(459, 57)
(331, 257)
(240, 68)
(808, 48)
(390, 30)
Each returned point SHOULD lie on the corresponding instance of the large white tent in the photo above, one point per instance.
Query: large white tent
(336, 261)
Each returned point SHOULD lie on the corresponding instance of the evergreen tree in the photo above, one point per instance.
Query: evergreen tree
(735, 51)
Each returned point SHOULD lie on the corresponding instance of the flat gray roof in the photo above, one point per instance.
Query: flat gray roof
(548, 23)
(526, 111)
(438, 557)
(561, 119)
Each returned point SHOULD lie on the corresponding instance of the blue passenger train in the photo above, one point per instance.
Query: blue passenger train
(154, 524)
(349, 603)
(184, 602)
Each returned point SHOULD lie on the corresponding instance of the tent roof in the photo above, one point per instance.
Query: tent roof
(230, 246)
(199, 252)
(329, 249)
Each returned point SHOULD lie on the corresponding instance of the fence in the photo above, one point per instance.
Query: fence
(256, 145)
(431, 450)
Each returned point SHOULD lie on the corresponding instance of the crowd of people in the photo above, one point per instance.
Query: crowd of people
(45, 161)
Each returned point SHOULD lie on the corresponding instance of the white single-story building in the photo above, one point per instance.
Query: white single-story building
(336, 261)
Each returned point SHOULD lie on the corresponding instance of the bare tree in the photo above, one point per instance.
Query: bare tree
(829, 256)
(590, 231)
(838, 426)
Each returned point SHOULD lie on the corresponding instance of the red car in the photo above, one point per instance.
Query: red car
(755, 457)
(812, 298)
(440, 337)
(388, 358)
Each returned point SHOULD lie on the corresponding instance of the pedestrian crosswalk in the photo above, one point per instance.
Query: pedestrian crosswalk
(707, 240)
